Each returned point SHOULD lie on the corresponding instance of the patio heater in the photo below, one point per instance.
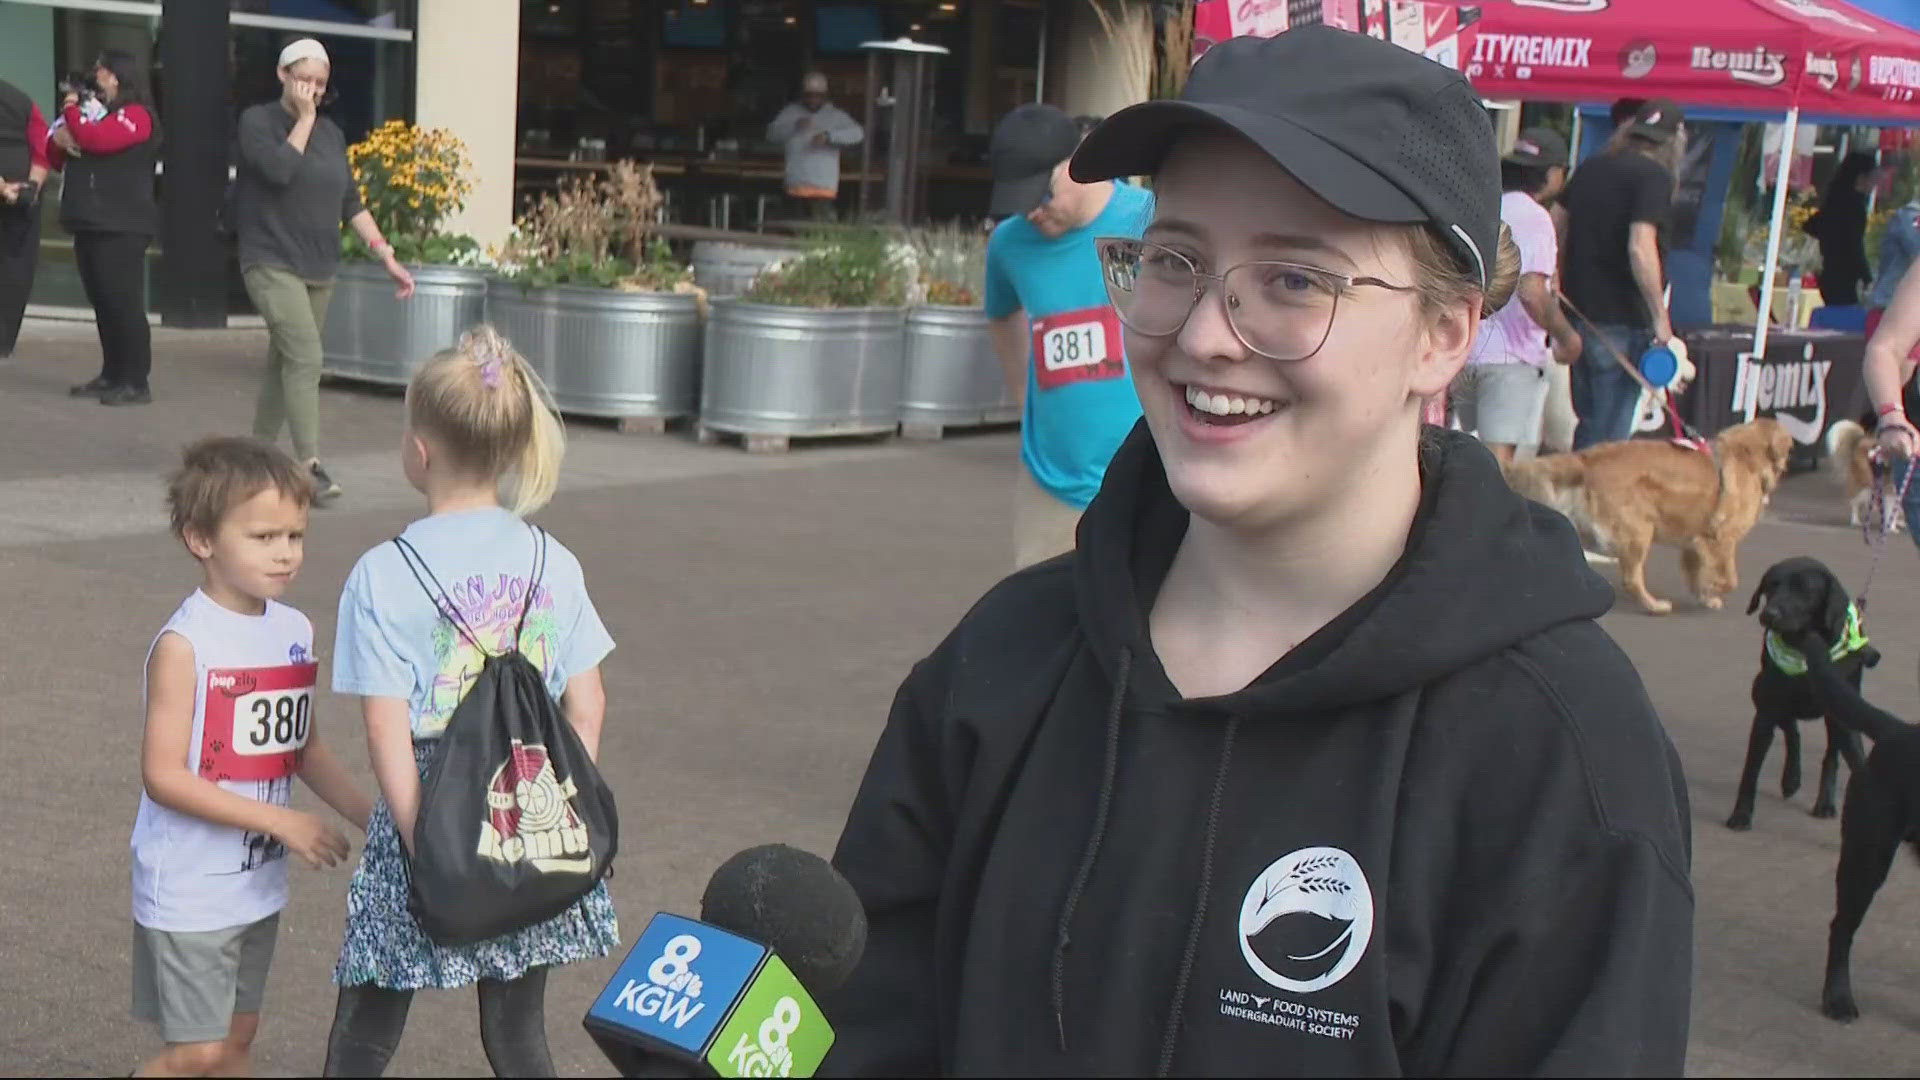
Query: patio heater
(909, 96)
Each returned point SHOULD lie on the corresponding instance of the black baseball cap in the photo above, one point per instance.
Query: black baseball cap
(1378, 131)
(1027, 143)
(1538, 146)
(1657, 121)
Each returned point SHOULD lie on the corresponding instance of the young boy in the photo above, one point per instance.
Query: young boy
(229, 724)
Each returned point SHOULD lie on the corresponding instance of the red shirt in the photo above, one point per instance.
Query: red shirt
(37, 138)
(129, 125)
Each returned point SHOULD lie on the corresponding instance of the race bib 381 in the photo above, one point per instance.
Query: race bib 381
(1078, 346)
(257, 721)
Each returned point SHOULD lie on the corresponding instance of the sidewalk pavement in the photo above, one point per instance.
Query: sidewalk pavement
(766, 608)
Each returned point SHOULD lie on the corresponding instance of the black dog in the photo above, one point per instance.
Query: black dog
(1801, 594)
(1882, 809)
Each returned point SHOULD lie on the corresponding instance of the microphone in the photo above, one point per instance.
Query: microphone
(732, 994)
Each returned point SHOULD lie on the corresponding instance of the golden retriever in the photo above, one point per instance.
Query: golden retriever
(1624, 497)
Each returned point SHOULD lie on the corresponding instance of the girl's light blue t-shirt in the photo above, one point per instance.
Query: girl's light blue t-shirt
(393, 641)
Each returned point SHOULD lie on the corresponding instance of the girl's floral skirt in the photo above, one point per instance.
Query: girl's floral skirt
(386, 947)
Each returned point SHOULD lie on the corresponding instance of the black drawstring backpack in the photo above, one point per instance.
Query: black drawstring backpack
(515, 822)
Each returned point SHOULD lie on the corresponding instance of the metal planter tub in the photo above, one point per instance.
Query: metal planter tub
(773, 372)
(952, 378)
(727, 268)
(371, 336)
(630, 356)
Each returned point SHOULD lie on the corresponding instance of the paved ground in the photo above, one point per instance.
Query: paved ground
(766, 607)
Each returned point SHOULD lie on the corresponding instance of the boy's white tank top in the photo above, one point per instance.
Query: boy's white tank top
(252, 715)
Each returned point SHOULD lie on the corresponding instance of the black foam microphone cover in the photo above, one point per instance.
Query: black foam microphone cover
(795, 902)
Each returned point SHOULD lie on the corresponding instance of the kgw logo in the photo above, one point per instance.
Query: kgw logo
(768, 1054)
(672, 990)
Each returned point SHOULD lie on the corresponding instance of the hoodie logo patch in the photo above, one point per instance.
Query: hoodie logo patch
(1306, 920)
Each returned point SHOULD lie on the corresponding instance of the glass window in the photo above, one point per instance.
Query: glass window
(371, 81)
(386, 14)
(72, 41)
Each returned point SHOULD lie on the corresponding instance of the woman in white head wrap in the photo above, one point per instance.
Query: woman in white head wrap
(293, 189)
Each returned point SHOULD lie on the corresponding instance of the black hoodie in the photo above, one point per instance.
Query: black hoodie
(1445, 835)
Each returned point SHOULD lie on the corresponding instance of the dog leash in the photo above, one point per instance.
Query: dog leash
(1683, 432)
(1879, 523)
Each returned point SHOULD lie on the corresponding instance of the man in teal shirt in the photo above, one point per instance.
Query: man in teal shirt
(1056, 335)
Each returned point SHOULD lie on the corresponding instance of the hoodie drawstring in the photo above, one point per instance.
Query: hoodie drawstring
(1108, 770)
(1172, 1037)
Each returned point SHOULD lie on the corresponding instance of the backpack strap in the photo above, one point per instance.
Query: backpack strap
(422, 573)
(533, 579)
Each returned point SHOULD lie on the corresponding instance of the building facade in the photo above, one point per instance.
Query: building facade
(541, 89)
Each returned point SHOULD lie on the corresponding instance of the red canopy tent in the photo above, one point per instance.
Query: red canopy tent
(1823, 57)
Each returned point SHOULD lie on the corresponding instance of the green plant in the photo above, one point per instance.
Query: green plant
(596, 232)
(853, 268)
(412, 180)
(437, 249)
(953, 263)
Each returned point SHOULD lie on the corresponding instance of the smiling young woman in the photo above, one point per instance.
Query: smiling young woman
(1311, 759)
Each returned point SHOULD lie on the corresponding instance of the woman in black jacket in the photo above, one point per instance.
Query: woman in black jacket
(1312, 759)
(107, 143)
(23, 168)
(1841, 228)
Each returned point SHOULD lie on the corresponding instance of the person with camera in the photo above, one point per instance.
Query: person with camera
(106, 141)
(23, 168)
(293, 189)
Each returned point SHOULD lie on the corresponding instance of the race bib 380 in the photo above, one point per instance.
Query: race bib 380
(257, 721)
(1078, 346)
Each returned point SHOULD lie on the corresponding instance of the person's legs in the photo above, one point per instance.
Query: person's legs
(282, 300)
(301, 372)
(250, 991)
(513, 1025)
(1910, 500)
(325, 487)
(186, 984)
(87, 259)
(1604, 394)
(19, 251)
(367, 1024)
(1511, 397)
(1557, 419)
(1043, 526)
(123, 315)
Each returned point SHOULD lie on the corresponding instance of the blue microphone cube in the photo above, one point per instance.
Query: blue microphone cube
(678, 984)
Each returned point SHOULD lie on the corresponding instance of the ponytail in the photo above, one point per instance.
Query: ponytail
(537, 473)
(493, 415)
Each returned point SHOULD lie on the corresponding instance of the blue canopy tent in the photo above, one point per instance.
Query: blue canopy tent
(1904, 12)
(1690, 269)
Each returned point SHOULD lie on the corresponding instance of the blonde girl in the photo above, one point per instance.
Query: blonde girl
(484, 446)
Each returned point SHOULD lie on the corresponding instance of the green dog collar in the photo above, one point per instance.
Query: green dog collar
(1790, 662)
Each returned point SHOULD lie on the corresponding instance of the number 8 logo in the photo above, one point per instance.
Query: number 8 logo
(674, 961)
(775, 1030)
